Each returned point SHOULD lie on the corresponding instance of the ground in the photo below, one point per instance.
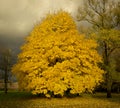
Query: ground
(17, 99)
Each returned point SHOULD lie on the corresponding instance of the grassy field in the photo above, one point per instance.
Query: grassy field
(26, 100)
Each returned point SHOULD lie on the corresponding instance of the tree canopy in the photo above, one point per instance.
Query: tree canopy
(104, 16)
(56, 59)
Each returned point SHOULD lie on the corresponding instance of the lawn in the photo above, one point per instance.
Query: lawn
(16, 99)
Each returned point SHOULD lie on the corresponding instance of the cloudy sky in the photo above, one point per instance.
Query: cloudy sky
(17, 17)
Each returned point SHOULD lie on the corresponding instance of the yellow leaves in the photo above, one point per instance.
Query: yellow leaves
(48, 95)
(56, 58)
(56, 23)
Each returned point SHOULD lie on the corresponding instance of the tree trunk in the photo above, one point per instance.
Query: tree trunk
(118, 89)
(108, 76)
(6, 81)
(109, 85)
(109, 94)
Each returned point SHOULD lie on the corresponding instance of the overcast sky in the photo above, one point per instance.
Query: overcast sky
(17, 17)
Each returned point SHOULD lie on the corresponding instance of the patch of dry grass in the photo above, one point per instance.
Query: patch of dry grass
(26, 100)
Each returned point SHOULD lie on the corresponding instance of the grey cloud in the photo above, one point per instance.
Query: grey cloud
(19, 16)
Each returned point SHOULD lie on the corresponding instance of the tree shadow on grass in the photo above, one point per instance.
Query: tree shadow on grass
(15, 95)
(102, 96)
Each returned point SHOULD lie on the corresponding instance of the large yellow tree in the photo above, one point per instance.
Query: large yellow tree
(56, 58)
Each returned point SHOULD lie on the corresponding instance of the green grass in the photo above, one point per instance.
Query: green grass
(16, 99)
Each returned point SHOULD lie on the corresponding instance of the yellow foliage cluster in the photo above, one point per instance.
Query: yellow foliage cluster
(56, 58)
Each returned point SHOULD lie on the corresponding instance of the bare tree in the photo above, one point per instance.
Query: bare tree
(100, 13)
(5, 66)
